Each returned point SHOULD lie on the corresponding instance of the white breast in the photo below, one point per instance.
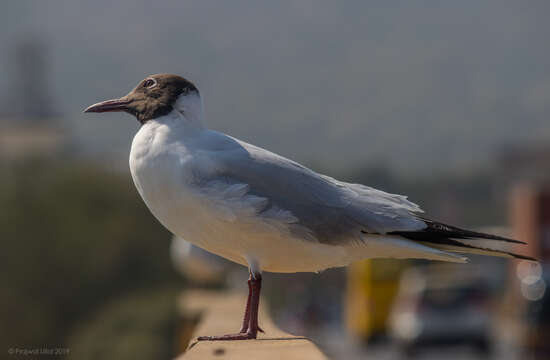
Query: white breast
(161, 170)
(165, 161)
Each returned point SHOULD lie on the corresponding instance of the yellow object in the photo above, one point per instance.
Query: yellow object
(371, 288)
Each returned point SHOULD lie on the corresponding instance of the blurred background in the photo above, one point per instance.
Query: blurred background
(445, 101)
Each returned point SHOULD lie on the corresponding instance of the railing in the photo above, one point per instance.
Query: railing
(218, 313)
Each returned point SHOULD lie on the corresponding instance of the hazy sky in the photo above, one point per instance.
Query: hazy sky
(423, 85)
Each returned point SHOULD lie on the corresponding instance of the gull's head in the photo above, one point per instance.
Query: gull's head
(156, 96)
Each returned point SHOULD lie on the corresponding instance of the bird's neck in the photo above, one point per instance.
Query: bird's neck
(175, 126)
(191, 109)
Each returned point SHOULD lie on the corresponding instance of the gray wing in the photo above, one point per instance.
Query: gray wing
(332, 211)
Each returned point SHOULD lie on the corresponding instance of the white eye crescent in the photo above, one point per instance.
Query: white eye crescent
(149, 83)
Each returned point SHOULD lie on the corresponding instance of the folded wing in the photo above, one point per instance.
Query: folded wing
(329, 211)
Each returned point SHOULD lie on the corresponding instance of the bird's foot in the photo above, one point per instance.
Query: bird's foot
(239, 336)
(243, 330)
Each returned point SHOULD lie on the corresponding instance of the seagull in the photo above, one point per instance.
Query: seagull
(262, 210)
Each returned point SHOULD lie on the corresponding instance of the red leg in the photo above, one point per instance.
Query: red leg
(254, 305)
(246, 318)
(251, 314)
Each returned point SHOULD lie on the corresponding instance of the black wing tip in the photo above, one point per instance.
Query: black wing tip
(523, 257)
(495, 237)
(455, 232)
(501, 238)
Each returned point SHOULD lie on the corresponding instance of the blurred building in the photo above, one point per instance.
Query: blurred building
(23, 141)
(530, 298)
(527, 170)
(29, 126)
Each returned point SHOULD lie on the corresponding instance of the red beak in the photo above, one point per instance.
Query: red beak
(109, 106)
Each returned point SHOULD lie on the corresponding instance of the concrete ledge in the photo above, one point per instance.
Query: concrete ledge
(221, 313)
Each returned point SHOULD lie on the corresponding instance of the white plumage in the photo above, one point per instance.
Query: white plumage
(260, 209)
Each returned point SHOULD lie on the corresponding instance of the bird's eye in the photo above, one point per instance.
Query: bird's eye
(149, 83)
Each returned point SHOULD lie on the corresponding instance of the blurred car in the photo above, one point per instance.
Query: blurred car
(537, 320)
(435, 308)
